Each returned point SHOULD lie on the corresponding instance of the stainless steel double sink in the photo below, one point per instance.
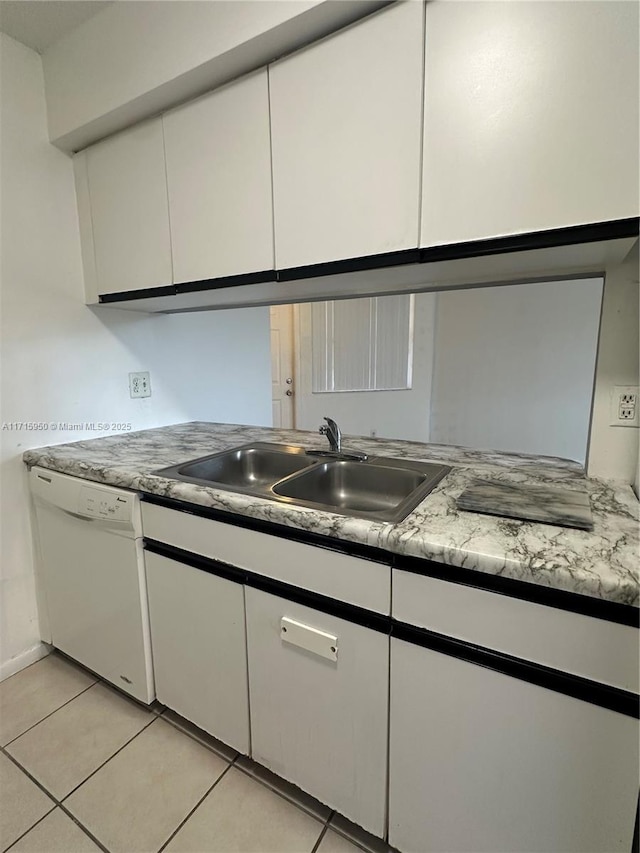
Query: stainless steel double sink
(375, 488)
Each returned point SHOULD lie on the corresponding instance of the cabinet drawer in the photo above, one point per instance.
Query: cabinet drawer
(319, 717)
(355, 580)
(572, 642)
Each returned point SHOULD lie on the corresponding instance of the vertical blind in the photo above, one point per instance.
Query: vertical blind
(362, 344)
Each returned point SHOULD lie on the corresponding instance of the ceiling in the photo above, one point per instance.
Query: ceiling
(40, 23)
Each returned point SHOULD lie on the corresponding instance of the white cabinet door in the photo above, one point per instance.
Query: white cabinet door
(346, 129)
(317, 722)
(199, 648)
(129, 213)
(531, 117)
(121, 186)
(219, 179)
(482, 762)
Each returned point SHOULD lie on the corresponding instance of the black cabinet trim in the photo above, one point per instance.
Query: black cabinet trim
(572, 602)
(227, 281)
(317, 601)
(614, 229)
(129, 295)
(196, 561)
(366, 262)
(612, 698)
(272, 528)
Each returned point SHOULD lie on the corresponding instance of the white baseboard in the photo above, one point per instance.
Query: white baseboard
(10, 667)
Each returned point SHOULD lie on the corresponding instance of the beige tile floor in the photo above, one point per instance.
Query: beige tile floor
(85, 769)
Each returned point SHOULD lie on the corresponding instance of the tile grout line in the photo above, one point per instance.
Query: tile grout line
(245, 771)
(56, 804)
(81, 826)
(283, 796)
(196, 807)
(323, 832)
(248, 773)
(361, 845)
(203, 743)
(27, 831)
(50, 714)
(158, 714)
(113, 755)
(59, 802)
(24, 668)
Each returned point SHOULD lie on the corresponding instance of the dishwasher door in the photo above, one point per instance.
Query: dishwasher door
(91, 570)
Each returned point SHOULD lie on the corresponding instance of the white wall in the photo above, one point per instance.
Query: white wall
(62, 361)
(613, 450)
(134, 59)
(392, 414)
(514, 367)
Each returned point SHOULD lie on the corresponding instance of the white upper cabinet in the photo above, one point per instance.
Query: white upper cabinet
(531, 117)
(126, 194)
(346, 117)
(219, 180)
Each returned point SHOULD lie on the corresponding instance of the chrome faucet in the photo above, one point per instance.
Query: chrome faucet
(332, 431)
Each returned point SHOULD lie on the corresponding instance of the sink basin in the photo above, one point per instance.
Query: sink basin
(251, 466)
(378, 488)
(352, 485)
(355, 488)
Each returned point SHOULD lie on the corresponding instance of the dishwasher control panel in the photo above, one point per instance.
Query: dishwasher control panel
(98, 503)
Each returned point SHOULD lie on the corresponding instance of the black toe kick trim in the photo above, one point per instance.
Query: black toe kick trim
(272, 528)
(129, 295)
(340, 609)
(612, 698)
(227, 281)
(614, 229)
(366, 262)
(573, 602)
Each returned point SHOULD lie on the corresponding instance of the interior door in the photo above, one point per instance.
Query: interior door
(282, 366)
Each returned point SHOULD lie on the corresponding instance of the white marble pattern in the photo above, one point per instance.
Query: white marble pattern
(551, 504)
(602, 563)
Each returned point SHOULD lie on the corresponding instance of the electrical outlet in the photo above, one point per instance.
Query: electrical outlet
(624, 409)
(140, 384)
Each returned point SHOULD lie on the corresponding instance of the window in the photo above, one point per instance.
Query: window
(362, 344)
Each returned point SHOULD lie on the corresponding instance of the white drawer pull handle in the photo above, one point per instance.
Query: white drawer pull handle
(311, 639)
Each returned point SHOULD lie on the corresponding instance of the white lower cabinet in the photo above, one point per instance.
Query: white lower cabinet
(318, 722)
(485, 762)
(199, 648)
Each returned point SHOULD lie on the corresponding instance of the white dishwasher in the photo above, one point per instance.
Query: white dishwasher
(91, 578)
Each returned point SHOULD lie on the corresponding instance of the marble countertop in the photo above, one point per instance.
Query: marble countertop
(602, 563)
